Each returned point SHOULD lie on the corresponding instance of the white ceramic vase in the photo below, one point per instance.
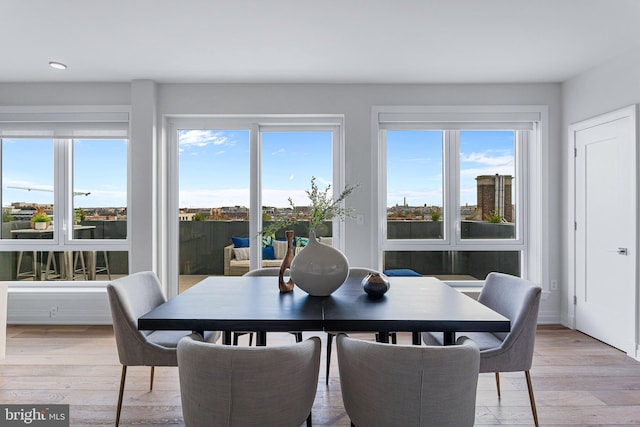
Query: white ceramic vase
(319, 269)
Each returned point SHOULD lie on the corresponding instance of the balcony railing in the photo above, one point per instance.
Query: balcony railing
(202, 246)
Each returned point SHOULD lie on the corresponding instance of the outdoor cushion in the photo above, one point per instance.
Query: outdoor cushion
(240, 242)
(401, 272)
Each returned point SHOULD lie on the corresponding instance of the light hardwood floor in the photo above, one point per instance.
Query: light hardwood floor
(577, 381)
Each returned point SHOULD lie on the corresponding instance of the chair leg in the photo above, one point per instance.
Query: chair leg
(106, 264)
(531, 398)
(153, 369)
(237, 334)
(79, 256)
(34, 266)
(309, 420)
(123, 376)
(498, 384)
(51, 261)
(329, 345)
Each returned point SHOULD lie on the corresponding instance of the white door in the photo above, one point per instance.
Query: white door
(605, 238)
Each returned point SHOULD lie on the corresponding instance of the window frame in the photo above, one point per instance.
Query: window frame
(63, 125)
(530, 239)
(255, 124)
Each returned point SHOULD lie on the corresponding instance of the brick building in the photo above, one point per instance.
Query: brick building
(494, 194)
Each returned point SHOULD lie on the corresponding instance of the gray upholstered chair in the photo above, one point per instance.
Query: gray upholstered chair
(518, 300)
(357, 273)
(129, 298)
(401, 385)
(247, 386)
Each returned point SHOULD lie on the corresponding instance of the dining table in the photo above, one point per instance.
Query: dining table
(412, 304)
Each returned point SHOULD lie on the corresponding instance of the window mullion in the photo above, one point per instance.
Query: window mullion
(61, 187)
(255, 196)
(452, 184)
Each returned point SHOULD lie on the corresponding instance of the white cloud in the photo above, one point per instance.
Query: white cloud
(203, 138)
(489, 162)
(322, 182)
(488, 158)
(474, 172)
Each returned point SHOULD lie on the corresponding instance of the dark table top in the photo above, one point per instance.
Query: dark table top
(412, 304)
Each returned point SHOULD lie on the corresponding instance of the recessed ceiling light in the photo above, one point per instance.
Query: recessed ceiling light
(57, 65)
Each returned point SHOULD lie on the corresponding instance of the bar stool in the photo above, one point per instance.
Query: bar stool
(90, 270)
(30, 273)
(103, 268)
(78, 256)
(50, 271)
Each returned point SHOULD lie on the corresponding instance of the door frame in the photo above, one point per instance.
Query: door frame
(569, 318)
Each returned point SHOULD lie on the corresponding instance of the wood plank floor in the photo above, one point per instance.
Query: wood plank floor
(577, 381)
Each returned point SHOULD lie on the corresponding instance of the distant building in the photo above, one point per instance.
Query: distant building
(494, 195)
(185, 216)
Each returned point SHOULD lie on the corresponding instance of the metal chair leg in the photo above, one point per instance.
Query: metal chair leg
(123, 376)
(309, 420)
(329, 345)
(531, 398)
(498, 384)
(153, 369)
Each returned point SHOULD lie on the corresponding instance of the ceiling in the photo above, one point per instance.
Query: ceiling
(304, 41)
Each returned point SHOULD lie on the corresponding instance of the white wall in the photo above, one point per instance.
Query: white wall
(355, 102)
(608, 87)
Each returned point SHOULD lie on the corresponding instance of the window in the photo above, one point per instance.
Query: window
(454, 201)
(235, 177)
(415, 184)
(70, 171)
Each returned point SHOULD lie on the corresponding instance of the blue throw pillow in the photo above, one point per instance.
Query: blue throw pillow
(240, 242)
(268, 253)
(401, 272)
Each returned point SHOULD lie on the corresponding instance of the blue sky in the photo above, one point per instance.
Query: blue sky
(214, 167)
(99, 168)
(415, 162)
